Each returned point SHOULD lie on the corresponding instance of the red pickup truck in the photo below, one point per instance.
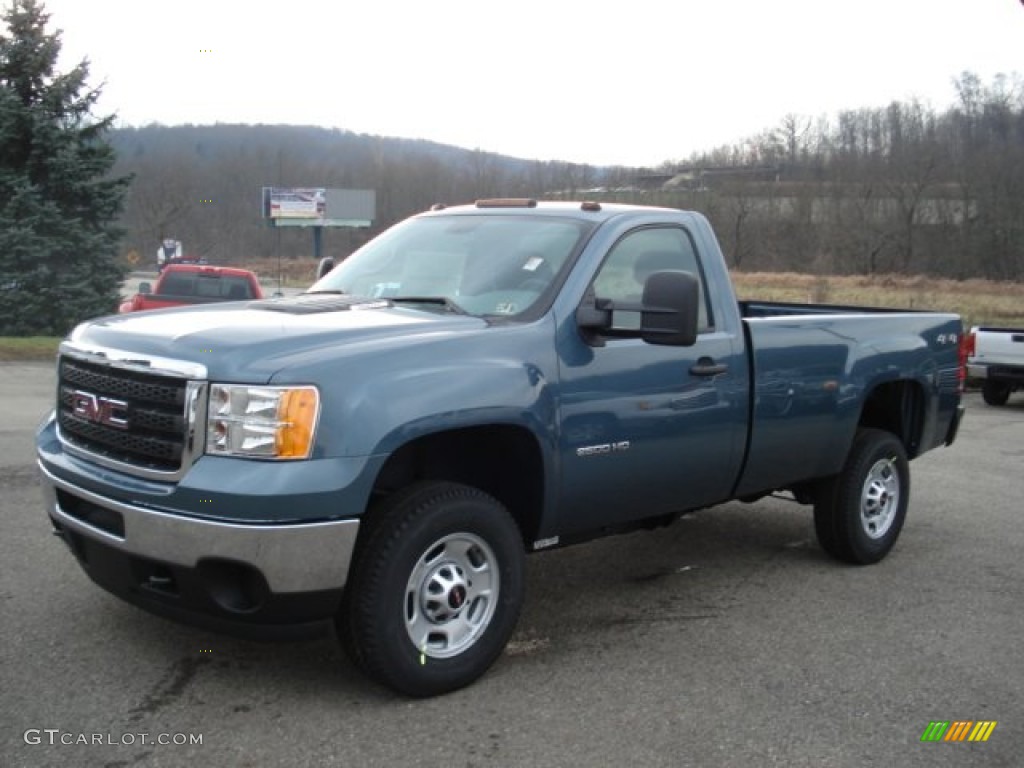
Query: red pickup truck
(181, 284)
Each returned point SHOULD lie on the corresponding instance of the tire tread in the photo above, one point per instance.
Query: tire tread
(361, 627)
(837, 502)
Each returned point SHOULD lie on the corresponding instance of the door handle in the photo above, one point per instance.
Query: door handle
(708, 367)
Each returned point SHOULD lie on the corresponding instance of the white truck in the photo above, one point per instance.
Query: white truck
(996, 359)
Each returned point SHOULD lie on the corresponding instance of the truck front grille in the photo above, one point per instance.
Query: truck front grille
(137, 419)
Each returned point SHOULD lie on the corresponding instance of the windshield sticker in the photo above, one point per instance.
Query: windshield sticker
(384, 289)
(532, 263)
(505, 308)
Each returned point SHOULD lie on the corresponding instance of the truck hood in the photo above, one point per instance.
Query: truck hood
(251, 341)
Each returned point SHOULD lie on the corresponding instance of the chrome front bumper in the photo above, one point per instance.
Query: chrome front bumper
(292, 558)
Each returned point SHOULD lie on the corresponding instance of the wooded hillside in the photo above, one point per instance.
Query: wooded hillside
(901, 189)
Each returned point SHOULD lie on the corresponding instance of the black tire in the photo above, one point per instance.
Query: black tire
(443, 563)
(859, 513)
(995, 392)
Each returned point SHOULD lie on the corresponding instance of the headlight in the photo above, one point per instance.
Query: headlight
(261, 422)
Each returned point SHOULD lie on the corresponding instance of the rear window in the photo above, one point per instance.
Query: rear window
(203, 286)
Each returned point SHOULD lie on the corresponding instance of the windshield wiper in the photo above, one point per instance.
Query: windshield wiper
(442, 301)
(307, 293)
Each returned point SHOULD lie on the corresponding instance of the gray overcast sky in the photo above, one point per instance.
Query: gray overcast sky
(630, 82)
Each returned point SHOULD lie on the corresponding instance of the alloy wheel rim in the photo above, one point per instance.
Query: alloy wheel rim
(451, 595)
(880, 498)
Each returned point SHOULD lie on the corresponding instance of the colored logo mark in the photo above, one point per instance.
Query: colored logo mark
(958, 730)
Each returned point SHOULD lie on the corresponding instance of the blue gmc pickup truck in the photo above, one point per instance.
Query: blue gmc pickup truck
(475, 383)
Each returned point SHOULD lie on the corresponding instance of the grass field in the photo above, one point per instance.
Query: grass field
(28, 348)
(978, 302)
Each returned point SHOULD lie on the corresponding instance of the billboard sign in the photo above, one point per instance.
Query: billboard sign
(294, 202)
(318, 207)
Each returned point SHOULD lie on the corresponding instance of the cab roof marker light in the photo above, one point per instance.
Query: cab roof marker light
(507, 202)
(590, 205)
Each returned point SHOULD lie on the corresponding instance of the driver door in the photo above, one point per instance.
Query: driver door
(648, 429)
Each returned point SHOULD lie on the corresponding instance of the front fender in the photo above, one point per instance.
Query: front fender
(375, 401)
(394, 412)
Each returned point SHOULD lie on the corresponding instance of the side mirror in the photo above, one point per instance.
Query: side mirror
(670, 309)
(326, 265)
(668, 313)
(145, 287)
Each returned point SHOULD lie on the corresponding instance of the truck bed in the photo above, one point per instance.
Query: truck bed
(750, 308)
(812, 365)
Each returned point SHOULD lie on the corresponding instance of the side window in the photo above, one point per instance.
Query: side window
(640, 254)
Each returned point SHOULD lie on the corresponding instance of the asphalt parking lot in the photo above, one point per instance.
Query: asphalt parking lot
(728, 639)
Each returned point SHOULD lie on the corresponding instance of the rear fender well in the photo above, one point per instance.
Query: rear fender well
(897, 407)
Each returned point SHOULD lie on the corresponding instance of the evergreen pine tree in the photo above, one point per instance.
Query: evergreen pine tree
(58, 201)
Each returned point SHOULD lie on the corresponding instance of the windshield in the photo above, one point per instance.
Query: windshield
(481, 265)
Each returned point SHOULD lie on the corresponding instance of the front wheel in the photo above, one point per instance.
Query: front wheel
(995, 392)
(435, 591)
(859, 513)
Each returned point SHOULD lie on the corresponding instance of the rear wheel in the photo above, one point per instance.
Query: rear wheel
(995, 392)
(436, 589)
(859, 513)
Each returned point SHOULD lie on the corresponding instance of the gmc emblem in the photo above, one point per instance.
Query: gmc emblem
(100, 410)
